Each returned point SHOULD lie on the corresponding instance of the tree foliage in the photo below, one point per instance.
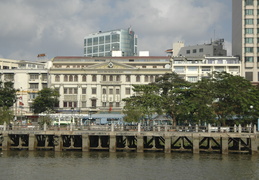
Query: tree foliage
(46, 100)
(216, 99)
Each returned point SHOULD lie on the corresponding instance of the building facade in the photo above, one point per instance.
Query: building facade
(193, 69)
(101, 83)
(245, 36)
(28, 78)
(105, 43)
(213, 49)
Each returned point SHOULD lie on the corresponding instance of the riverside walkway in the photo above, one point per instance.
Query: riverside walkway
(113, 138)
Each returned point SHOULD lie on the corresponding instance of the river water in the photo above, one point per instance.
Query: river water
(25, 165)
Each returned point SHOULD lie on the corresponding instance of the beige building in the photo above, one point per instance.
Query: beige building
(245, 36)
(101, 83)
(192, 69)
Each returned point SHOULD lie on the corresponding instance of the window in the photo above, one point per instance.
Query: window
(117, 104)
(151, 78)
(115, 38)
(84, 78)
(44, 85)
(101, 40)
(104, 77)
(127, 90)
(94, 78)
(118, 78)
(70, 78)
(194, 51)
(249, 21)
(65, 90)
(249, 2)
(94, 103)
(128, 78)
(117, 91)
(93, 90)
(83, 90)
(110, 91)
(249, 49)
(249, 59)
(249, 11)
(104, 91)
(137, 78)
(192, 79)
(34, 86)
(249, 76)
(83, 104)
(107, 39)
(188, 51)
(75, 78)
(192, 68)
(111, 77)
(249, 30)
(34, 77)
(146, 78)
(95, 41)
(249, 40)
(44, 77)
(201, 50)
(57, 78)
(89, 42)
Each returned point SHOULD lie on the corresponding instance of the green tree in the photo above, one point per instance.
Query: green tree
(233, 97)
(7, 100)
(46, 101)
(143, 104)
(7, 94)
(174, 92)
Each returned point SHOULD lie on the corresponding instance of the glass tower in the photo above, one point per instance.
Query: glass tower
(103, 43)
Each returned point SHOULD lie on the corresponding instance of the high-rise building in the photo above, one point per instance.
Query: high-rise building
(106, 43)
(245, 36)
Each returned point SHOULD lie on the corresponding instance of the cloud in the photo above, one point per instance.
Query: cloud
(58, 27)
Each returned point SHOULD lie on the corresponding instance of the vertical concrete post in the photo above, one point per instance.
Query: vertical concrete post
(224, 145)
(196, 128)
(4, 126)
(71, 127)
(5, 143)
(112, 127)
(168, 143)
(140, 143)
(239, 128)
(209, 128)
(139, 127)
(254, 129)
(85, 143)
(254, 145)
(31, 142)
(235, 128)
(195, 144)
(59, 146)
(112, 147)
(45, 126)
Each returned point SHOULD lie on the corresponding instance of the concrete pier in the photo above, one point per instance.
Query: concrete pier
(139, 141)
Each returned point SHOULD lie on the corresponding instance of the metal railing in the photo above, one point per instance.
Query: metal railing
(139, 128)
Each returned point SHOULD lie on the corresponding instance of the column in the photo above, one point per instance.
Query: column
(112, 143)
(224, 145)
(31, 142)
(59, 145)
(195, 144)
(85, 143)
(168, 143)
(5, 144)
(254, 145)
(140, 147)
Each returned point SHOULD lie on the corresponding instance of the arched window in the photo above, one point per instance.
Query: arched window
(57, 78)
(70, 78)
(84, 78)
(137, 78)
(75, 78)
(66, 78)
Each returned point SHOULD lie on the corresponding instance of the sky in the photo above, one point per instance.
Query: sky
(58, 27)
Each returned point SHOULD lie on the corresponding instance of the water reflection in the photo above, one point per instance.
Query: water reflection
(126, 165)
